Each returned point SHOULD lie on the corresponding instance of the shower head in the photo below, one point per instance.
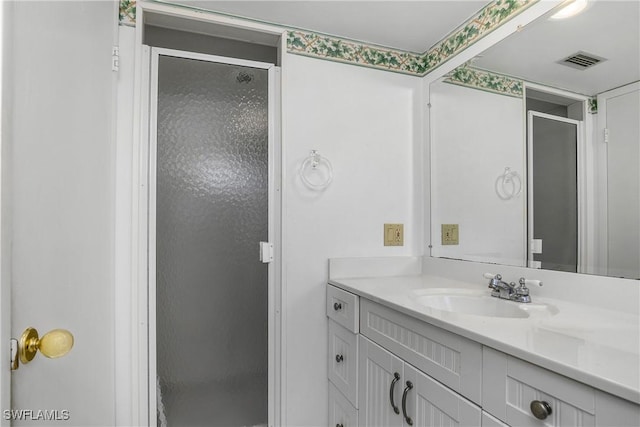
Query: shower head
(244, 77)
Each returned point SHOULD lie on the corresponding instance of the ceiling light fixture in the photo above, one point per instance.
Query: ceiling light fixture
(572, 9)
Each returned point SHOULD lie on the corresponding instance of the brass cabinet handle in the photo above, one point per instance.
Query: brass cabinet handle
(53, 344)
(540, 409)
(396, 378)
(407, 418)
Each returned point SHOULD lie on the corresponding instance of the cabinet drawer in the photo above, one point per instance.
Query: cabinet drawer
(342, 306)
(343, 361)
(341, 412)
(449, 358)
(512, 385)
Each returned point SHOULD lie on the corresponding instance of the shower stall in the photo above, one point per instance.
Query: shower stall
(209, 207)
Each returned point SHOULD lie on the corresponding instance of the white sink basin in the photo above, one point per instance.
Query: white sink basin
(479, 303)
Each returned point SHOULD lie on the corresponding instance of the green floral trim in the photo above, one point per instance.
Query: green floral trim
(592, 105)
(326, 47)
(485, 80)
(488, 19)
(127, 12)
(321, 46)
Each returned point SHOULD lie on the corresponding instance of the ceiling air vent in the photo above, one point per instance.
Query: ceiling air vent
(582, 60)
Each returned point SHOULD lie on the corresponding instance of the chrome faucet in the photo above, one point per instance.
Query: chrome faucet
(510, 291)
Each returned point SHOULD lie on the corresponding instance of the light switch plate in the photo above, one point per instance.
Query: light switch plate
(394, 234)
(449, 234)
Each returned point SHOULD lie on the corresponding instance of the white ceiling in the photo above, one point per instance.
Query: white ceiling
(413, 26)
(609, 29)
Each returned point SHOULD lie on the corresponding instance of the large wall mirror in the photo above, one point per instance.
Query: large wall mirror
(535, 147)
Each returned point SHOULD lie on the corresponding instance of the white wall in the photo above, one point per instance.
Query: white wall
(368, 124)
(475, 135)
(62, 202)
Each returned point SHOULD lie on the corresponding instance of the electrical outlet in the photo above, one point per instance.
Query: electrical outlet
(449, 234)
(394, 235)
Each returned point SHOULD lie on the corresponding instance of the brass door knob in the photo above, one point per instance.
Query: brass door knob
(53, 344)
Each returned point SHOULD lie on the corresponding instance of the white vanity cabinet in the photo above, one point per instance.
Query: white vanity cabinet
(368, 384)
(394, 393)
(379, 357)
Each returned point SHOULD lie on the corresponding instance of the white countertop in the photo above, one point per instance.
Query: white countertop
(598, 347)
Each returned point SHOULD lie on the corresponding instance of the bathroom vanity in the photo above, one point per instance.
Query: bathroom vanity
(419, 349)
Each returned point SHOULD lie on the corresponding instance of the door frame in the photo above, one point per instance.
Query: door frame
(602, 147)
(153, 55)
(580, 185)
(131, 329)
(5, 230)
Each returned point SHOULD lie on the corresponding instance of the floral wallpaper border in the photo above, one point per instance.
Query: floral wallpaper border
(475, 78)
(485, 80)
(127, 12)
(342, 50)
(489, 18)
(348, 51)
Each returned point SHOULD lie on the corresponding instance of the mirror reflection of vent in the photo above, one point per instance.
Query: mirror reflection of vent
(582, 60)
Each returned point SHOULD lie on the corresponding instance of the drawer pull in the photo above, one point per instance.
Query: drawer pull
(396, 377)
(407, 418)
(540, 409)
(339, 425)
(337, 306)
(339, 358)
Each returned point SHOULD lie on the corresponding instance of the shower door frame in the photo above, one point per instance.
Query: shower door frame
(580, 186)
(149, 147)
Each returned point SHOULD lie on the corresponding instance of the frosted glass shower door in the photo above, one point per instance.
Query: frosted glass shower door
(211, 211)
(553, 213)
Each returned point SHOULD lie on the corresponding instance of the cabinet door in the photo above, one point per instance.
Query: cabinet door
(490, 421)
(431, 404)
(377, 383)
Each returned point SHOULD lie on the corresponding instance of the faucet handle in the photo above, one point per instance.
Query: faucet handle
(522, 289)
(494, 280)
(524, 282)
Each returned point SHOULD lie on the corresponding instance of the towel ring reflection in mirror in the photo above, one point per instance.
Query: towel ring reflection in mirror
(316, 171)
(508, 185)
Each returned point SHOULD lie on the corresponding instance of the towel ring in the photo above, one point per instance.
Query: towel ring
(315, 164)
(508, 185)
